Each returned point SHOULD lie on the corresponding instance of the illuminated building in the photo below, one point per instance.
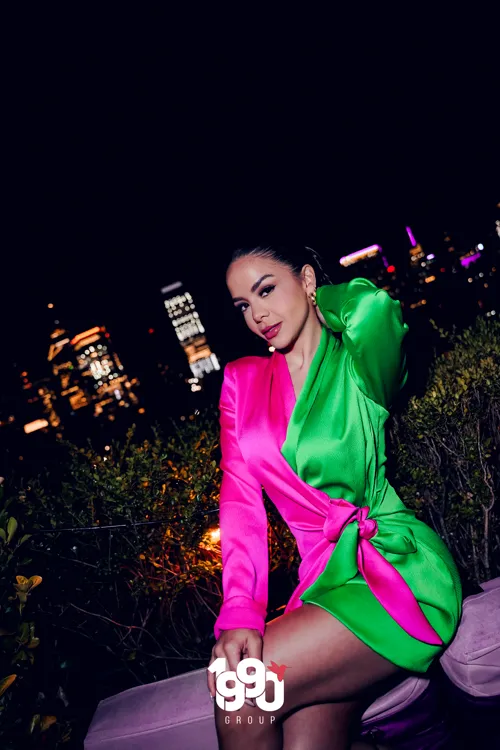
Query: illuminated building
(416, 252)
(370, 263)
(40, 398)
(87, 377)
(103, 380)
(371, 251)
(189, 331)
(422, 265)
(61, 357)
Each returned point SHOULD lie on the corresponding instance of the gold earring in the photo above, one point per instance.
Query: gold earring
(312, 297)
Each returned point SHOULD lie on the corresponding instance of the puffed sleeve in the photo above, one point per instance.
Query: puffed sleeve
(372, 328)
(243, 529)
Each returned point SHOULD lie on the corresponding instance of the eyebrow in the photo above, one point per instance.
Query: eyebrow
(254, 287)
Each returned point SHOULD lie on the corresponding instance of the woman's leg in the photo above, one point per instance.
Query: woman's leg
(321, 725)
(326, 663)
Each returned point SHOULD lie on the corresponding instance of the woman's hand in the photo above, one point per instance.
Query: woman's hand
(235, 645)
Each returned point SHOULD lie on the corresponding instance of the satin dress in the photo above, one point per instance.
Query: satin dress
(321, 458)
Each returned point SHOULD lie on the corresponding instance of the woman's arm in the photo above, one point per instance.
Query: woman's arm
(243, 526)
(372, 328)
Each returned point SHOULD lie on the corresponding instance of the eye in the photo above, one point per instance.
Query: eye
(267, 289)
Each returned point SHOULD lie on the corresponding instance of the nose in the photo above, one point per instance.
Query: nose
(259, 311)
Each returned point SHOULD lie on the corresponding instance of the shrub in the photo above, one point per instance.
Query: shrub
(127, 543)
(23, 721)
(446, 447)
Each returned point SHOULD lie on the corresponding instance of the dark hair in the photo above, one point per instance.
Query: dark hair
(293, 256)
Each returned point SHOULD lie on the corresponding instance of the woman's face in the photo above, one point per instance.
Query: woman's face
(274, 303)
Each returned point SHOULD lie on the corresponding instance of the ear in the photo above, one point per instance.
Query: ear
(308, 279)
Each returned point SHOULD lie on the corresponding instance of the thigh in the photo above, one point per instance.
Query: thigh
(326, 662)
(321, 725)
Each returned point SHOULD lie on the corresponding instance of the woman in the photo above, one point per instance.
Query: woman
(379, 595)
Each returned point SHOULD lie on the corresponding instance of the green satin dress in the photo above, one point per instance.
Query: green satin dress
(336, 442)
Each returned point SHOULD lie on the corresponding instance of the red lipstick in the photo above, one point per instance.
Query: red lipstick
(272, 331)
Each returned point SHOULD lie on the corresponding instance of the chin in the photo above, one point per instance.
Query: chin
(281, 342)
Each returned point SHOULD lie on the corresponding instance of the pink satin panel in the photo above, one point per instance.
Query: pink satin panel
(255, 422)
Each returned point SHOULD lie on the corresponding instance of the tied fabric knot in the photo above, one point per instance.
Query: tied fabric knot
(358, 545)
(337, 520)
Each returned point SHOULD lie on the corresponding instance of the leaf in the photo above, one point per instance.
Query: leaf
(24, 538)
(47, 722)
(3, 535)
(35, 581)
(6, 683)
(33, 723)
(24, 632)
(11, 528)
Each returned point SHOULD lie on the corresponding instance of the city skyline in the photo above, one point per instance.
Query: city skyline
(408, 281)
(102, 213)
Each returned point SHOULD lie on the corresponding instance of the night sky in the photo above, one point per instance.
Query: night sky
(142, 150)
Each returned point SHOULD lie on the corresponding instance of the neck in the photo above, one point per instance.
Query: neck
(300, 354)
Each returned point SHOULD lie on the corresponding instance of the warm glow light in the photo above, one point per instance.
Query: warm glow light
(429, 279)
(366, 252)
(215, 535)
(50, 305)
(416, 252)
(38, 424)
(391, 269)
(84, 335)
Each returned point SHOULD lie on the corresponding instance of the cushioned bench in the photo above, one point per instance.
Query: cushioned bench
(472, 666)
(177, 714)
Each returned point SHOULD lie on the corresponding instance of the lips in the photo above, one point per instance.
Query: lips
(271, 332)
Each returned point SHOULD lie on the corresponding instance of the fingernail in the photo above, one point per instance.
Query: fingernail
(211, 697)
